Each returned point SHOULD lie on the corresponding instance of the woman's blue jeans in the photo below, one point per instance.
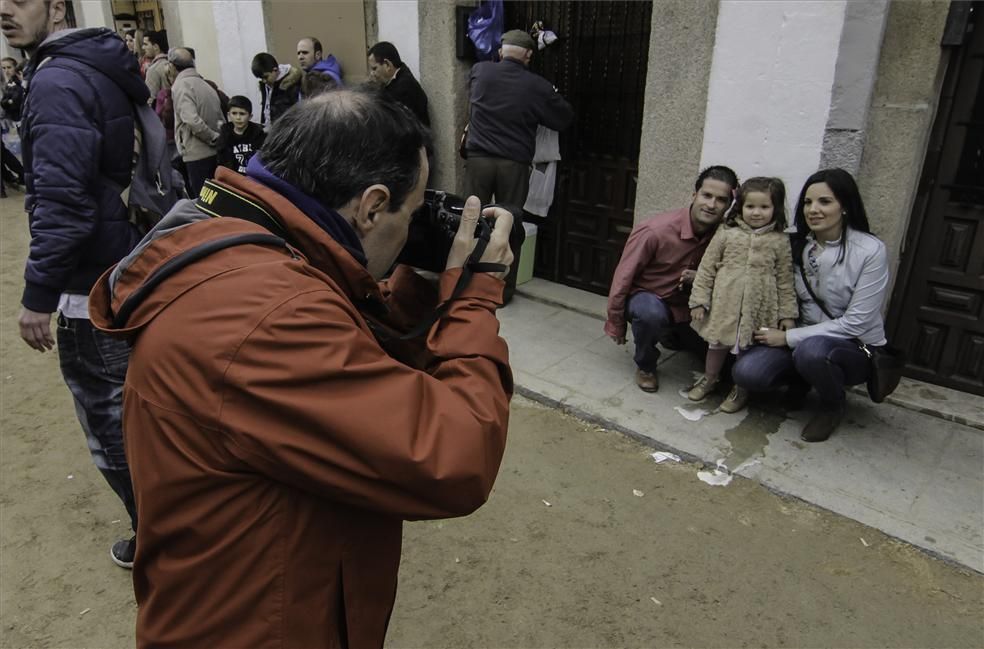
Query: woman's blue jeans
(825, 363)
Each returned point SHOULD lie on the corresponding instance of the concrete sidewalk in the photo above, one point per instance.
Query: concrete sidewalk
(913, 475)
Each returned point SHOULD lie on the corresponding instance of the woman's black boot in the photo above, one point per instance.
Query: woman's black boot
(824, 423)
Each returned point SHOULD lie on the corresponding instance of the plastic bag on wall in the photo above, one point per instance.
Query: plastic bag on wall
(485, 29)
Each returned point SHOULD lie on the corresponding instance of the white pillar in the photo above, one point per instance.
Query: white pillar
(94, 13)
(398, 24)
(771, 85)
(240, 34)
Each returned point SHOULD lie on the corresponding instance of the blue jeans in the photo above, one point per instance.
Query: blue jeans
(825, 363)
(94, 368)
(652, 322)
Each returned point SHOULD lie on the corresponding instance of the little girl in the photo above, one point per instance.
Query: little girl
(744, 282)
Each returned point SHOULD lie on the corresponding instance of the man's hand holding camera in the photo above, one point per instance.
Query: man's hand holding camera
(497, 251)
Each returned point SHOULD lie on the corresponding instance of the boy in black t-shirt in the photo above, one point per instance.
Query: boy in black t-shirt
(239, 137)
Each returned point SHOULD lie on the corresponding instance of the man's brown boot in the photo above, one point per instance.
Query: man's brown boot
(823, 424)
(647, 381)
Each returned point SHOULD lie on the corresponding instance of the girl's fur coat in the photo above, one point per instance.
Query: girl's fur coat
(745, 281)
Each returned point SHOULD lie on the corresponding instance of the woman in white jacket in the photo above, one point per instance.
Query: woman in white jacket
(847, 270)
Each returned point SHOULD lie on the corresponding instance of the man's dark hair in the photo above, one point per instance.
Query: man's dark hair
(335, 145)
(158, 38)
(239, 101)
(315, 44)
(717, 172)
(384, 50)
(262, 63)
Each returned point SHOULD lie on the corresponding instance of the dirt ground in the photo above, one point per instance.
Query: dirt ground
(684, 564)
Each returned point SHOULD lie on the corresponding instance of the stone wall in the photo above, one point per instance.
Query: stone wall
(681, 47)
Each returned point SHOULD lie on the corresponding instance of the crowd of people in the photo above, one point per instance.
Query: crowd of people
(204, 133)
(268, 459)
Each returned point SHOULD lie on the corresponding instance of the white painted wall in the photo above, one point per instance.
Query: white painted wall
(398, 24)
(94, 13)
(770, 88)
(197, 32)
(240, 35)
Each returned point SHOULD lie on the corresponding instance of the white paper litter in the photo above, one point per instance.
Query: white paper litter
(721, 476)
(637, 493)
(661, 456)
(656, 601)
(746, 464)
(115, 522)
(457, 560)
(715, 478)
(81, 613)
(547, 504)
(691, 415)
(70, 476)
(863, 542)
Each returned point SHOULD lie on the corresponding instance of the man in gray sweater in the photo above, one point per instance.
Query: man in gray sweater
(197, 119)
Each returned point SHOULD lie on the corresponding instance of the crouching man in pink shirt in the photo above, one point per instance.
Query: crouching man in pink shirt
(652, 282)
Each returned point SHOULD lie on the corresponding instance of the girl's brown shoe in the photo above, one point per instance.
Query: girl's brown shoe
(736, 400)
(702, 388)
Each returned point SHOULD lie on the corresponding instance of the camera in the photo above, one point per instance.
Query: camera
(434, 225)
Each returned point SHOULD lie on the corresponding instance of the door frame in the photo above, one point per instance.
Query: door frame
(955, 53)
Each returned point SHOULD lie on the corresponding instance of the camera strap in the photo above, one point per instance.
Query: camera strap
(220, 201)
(472, 266)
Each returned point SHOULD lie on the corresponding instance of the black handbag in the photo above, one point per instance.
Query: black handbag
(885, 363)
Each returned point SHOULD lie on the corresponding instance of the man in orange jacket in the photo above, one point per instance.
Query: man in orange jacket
(275, 445)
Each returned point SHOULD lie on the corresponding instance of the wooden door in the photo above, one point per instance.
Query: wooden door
(937, 312)
(599, 65)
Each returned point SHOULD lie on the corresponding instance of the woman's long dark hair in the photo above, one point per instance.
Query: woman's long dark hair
(846, 192)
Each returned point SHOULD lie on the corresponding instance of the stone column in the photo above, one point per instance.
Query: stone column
(681, 46)
(445, 80)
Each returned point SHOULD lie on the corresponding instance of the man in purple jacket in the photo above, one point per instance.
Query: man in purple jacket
(78, 142)
(652, 282)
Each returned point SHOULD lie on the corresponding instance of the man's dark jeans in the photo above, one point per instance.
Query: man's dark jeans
(652, 322)
(94, 368)
(198, 172)
(826, 363)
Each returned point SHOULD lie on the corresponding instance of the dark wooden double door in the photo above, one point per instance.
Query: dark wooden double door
(599, 65)
(937, 312)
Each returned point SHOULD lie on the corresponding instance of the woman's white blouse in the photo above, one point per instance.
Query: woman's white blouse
(852, 290)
